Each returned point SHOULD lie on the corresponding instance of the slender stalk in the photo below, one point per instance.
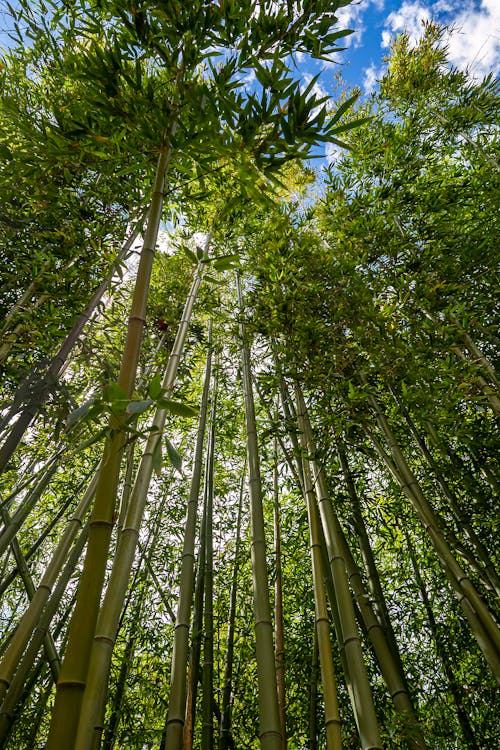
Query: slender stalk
(493, 579)
(102, 647)
(269, 722)
(71, 684)
(442, 652)
(177, 695)
(482, 624)
(40, 633)
(313, 694)
(207, 732)
(226, 740)
(39, 391)
(195, 651)
(328, 679)
(278, 605)
(363, 701)
(32, 614)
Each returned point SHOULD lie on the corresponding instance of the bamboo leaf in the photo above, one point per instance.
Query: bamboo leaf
(175, 458)
(176, 407)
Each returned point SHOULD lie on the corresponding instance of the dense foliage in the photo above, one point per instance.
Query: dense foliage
(292, 443)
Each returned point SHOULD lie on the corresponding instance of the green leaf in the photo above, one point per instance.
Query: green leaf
(174, 457)
(224, 263)
(138, 407)
(155, 390)
(213, 280)
(157, 458)
(78, 414)
(176, 407)
(112, 393)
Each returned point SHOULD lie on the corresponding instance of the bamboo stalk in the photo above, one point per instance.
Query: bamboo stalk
(278, 605)
(442, 653)
(328, 679)
(207, 731)
(40, 632)
(363, 701)
(100, 658)
(483, 626)
(177, 695)
(226, 740)
(32, 614)
(40, 391)
(269, 722)
(71, 684)
(492, 577)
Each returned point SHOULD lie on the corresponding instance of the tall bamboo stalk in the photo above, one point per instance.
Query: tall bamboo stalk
(482, 624)
(328, 679)
(32, 614)
(177, 696)
(462, 715)
(226, 740)
(363, 701)
(95, 685)
(71, 684)
(278, 605)
(207, 731)
(40, 632)
(269, 722)
(39, 390)
(492, 577)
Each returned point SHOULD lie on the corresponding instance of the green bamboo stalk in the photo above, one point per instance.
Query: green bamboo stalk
(313, 694)
(49, 645)
(441, 650)
(269, 722)
(40, 390)
(13, 694)
(278, 605)
(363, 701)
(177, 696)
(13, 524)
(32, 614)
(379, 629)
(480, 619)
(226, 739)
(102, 647)
(492, 579)
(197, 631)
(207, 732)
(6, 580)
(71, 684)
(328, 679)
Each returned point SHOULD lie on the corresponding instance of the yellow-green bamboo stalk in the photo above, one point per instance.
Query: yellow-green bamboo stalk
(363, 706)
(174, 735)
(40, 632)
(32, 614)
(482, 624)
(269, 721)
(328, 679)
(207, 730)
(278, 605)
(225, 738)
(71, 684)
(95, 686)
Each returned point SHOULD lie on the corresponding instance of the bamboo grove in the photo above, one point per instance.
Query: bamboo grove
(249, 413)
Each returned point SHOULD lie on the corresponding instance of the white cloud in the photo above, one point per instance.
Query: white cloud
(475, 44)
(333, 153)
(371, 75)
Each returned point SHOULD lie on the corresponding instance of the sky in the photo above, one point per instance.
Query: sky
(475, 44)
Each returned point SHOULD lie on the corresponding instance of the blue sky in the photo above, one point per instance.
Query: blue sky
(475, 44)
